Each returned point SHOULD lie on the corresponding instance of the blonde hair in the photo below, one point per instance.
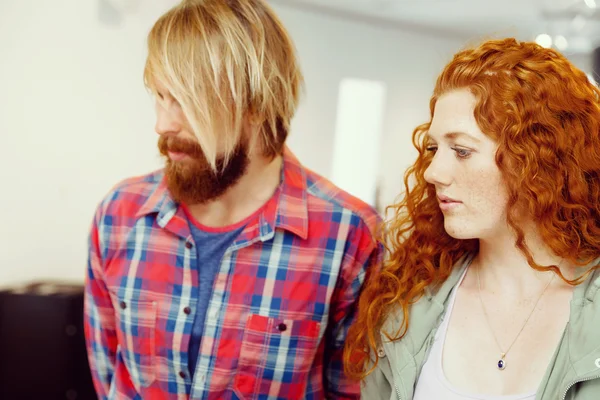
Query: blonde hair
(226, 62)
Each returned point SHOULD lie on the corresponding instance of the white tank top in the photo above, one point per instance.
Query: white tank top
(432, 383)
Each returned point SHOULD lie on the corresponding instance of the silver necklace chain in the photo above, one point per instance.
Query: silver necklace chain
(502, 362)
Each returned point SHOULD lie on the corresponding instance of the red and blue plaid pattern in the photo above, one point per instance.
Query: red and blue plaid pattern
(282, 302)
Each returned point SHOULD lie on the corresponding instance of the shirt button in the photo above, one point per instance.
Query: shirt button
(597, 362)
(187, 310)
(189, 245)
(182, 374)
(282, 327)
(380, 352)
(122, 305)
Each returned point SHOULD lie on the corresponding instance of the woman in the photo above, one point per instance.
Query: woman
(491, 286)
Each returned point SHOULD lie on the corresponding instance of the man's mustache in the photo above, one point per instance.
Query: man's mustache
(178, 145)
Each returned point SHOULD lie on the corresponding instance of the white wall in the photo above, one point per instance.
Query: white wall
(335, 48)
(75, 119)
(357, 141)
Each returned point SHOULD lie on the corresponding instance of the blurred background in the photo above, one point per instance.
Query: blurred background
(75, 117)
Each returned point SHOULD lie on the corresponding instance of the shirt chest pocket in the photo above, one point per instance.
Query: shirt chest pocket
(276, 357)
(136, 333)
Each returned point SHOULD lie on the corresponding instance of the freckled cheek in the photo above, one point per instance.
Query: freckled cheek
(486, 195)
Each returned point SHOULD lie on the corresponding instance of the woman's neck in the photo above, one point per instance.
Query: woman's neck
(505, 268)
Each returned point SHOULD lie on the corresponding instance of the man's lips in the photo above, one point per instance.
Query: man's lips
(176, 155)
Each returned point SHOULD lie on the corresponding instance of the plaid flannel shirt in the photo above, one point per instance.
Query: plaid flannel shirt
(282, 301)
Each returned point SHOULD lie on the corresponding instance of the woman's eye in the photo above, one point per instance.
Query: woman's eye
(462, 153)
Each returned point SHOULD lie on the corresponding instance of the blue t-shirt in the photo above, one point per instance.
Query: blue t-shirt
(210, 248)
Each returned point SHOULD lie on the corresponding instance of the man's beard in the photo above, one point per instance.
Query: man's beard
(192, 180)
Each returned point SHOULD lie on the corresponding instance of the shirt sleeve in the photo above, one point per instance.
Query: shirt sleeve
(362, 253)
(99, 318)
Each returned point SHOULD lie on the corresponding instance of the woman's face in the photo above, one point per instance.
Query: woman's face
(467, 180)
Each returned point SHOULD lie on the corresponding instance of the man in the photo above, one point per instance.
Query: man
(234, 272)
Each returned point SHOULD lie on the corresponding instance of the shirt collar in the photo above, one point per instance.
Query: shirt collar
(287, 209)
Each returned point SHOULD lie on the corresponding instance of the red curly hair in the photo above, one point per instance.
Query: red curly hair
(544, 115)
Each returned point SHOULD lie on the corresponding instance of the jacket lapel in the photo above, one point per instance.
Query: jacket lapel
(578, 356)
(407, 356)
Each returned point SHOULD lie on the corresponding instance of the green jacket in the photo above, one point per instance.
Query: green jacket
(573, 373)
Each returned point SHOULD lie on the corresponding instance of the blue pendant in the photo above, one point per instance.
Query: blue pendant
(501, 364)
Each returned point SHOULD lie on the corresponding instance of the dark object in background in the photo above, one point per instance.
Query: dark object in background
(596, 65)
(42, 345)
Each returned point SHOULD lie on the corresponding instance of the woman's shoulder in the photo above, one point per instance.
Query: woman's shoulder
(433, 298)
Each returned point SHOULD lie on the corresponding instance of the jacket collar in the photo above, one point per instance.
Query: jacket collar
(584, 320)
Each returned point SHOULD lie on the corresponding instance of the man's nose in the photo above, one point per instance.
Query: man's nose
(166, 122)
